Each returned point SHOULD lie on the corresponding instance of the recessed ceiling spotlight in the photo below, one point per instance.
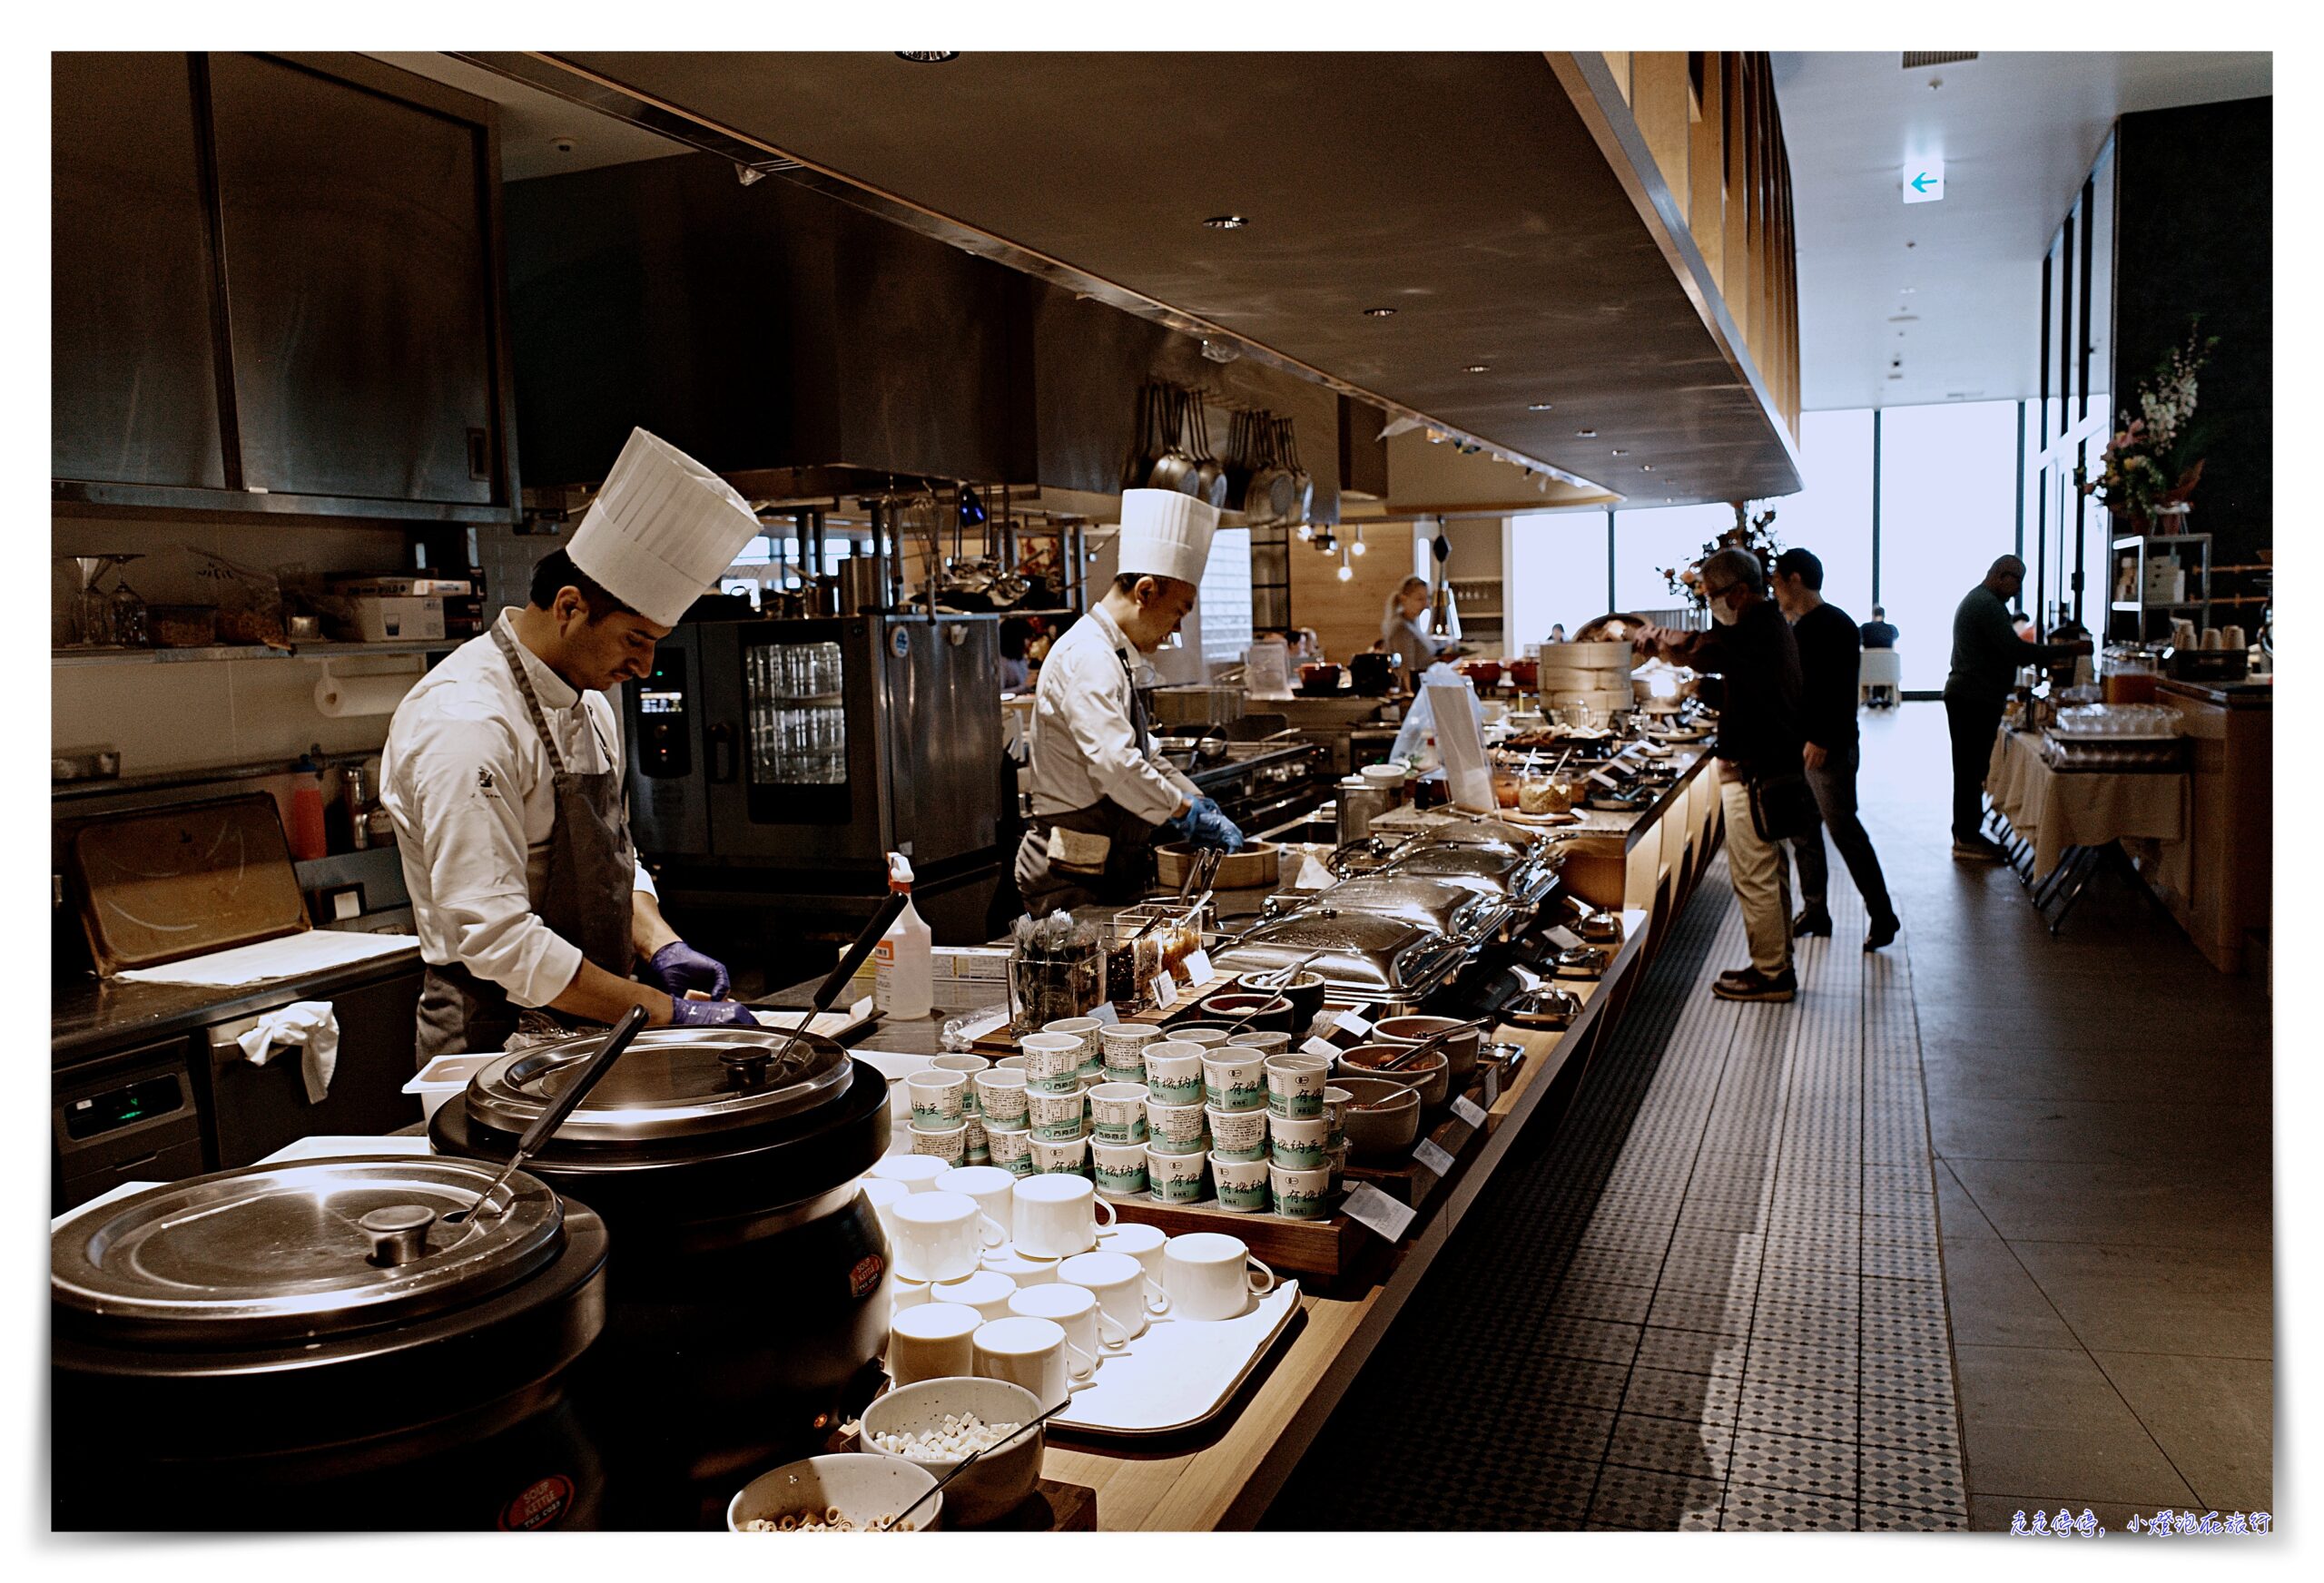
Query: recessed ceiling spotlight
(1539, 406)
(1906, 291)
(1477, 368)
(1585, 434)
(1646, 467)
(1379, 313)
(1620, 451)
(1226, 222)
(928, 57)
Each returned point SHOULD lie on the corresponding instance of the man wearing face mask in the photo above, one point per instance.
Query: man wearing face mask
(1100, 791)
(1749, 647)
(503, 774)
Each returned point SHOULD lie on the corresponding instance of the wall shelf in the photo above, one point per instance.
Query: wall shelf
(226, 652)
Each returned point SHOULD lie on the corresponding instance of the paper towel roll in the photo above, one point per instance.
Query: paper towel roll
(337, 696)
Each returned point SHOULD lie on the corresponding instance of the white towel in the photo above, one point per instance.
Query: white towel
(313, 1027)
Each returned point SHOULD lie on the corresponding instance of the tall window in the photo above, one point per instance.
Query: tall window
(1832, 514)
(1948, 507)
(1670, 537)
(1557, 575)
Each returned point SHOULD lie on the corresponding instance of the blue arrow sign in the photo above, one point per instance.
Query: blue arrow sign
(1924, 181)
(1920, 183)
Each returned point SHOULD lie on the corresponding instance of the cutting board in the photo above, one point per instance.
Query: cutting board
(163, 885)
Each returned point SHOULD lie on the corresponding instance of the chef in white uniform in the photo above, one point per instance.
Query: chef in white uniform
(503, 773)
(1100, 791)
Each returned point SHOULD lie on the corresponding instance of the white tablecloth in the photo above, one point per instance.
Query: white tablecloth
(2055, 811)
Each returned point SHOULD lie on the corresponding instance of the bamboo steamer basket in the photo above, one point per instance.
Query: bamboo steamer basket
(1255, 864)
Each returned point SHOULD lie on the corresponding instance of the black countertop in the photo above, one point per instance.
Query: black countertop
(97, 1017)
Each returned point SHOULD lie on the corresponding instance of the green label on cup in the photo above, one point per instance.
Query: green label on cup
(1132, 1179)
(1258, 1151)
(1179, 1190)
(1253, 1197)
(1299, 1157)
(1300, 1205)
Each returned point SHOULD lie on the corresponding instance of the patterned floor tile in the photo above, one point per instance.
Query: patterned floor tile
(1785, 1461)
(1904, 1519)
(1752, 1508)
(1670, 1445)
(1691, 1351)
(1928, 1480)
(1773, 1409)
(1637, 1498)
(1692, 1398)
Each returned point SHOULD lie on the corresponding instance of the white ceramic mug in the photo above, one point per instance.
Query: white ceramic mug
(1241, 1184)
(989, 1186)
(1176, 1179)
(1233, 1077)
(1056, 1117)
(1176, 1129)
(1121, 1286)
(1119, 1169)
(1011, 1148)
(1025, 1269)
(1211, 1275)
(881, 1194)
(1084, 1028)
(1238, 1134)
(1057, 1215)
(1052, 1063)
(1121, 1049)
(933, 1340)
(1141, 1242)
(917, 1172)
(1031, 1352)
(1295, 1085)
(1118, 1112)
(1074, 1310)
(1301, 1143)
(1000, 1097)
(939, 1097)
(939, 1236)
(985, 1291)
(1299, 1195)
(903, 1293)
(1174, 1072)
(949, 1147)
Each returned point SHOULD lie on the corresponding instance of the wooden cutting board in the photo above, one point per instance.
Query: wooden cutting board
(164, 885)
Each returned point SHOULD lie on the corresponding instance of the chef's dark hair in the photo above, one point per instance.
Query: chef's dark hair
(1802, 565)
(556, 572)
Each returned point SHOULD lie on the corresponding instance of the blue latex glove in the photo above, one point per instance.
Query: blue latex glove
(678, 967)
(684, 1013)
(1205, 826)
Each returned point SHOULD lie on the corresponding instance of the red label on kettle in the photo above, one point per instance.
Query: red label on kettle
(539, 1505)
(864, 1279)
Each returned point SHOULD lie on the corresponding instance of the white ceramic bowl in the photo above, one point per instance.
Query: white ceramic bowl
(1002, 1480)
(865, 1488)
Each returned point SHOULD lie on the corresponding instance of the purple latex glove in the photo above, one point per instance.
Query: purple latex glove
(678, 967)
(684, 1013)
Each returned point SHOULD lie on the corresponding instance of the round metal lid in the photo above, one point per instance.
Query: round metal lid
(299, 1248)
(674, 1082)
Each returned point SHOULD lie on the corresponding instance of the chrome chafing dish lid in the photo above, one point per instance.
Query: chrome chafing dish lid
(1517, 877)
(1457, 912)
(298, 1248)
(674, 1082)
(1363, 954)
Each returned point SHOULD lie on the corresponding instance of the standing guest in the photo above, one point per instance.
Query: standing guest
(1879, 633)
(1750, 648)
(1828, 658)
(1016, 665)
(1406, 634)
(1557, 632)
(1986, 654)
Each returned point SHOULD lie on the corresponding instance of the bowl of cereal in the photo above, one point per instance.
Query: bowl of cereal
(849, 1493)
(933, 1424)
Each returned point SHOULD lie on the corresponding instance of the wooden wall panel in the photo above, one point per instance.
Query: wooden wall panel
(1346, 615)
(1661, 103)
(1706, 163)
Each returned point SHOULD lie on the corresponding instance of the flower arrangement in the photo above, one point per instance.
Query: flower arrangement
(1749, 533)
(2150, 463)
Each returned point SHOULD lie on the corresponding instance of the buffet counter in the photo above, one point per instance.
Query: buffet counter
(2224, 895)
(1224, 1473)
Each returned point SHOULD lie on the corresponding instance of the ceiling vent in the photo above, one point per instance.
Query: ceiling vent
(1915, 59)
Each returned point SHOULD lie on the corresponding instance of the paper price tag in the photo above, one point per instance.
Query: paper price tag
(1324, 1048)
(1314, 876)
(1429, 1153)
(1493, 1085)
(1166, 991)
(1369, 1207)
(1605, 780)
(1564, 939)
(1470, 1111)
(859, 1010)
(1353, 1023)
(1198, 967)
(982, 1026)
(1107, 1014)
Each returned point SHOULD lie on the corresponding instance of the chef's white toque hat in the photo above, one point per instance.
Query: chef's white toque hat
(1165, 534)
(661, 531)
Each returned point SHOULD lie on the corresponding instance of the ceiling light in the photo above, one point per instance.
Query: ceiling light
(1477, 368)
(1226, 222)
(1306, 532)
(1379, 312)
(1620, 451)
(1906, 291)
(1585, 434)
(1346, 572)
(1358, 547)
(1537, 406)
(1646, 467)
(928, 57)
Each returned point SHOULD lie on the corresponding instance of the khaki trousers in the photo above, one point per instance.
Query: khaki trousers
(1762, 877)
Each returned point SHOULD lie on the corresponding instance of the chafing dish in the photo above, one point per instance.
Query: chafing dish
(1517, 877)
(1582, 962)
(1458, 912)
(1547, 1008)
(1363, 956)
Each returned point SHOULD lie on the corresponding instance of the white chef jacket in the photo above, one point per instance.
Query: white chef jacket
(465, 779)
(1083, 748)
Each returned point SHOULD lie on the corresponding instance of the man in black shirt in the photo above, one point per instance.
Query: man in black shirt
(1750, 648)
(1986, 654)
(1827, 641)
(1879, 633)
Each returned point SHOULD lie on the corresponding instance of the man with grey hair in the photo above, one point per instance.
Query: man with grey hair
(1749, 647)
(1986, 654)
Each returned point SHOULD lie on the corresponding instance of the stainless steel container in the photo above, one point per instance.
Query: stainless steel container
(1361, 802)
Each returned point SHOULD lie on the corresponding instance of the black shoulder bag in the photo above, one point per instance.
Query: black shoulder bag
(1783, 805)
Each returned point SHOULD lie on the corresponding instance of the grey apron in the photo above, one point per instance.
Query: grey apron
(592, 872)
(1070, 867)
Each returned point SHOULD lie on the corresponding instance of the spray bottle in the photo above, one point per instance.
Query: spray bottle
(901, 963)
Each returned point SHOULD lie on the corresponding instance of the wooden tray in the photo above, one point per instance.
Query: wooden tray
(1001, 1042)
(1326, 1247)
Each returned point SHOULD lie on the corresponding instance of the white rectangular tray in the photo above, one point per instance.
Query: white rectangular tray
(1181, 1371)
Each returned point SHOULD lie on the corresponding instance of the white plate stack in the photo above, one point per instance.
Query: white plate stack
(1596, 673)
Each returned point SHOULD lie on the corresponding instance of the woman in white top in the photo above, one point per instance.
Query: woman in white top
(1405, 634)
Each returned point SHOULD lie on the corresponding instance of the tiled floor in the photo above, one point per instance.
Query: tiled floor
(1732, 1291)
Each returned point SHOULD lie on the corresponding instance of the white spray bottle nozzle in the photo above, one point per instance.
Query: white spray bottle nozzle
(899, 871)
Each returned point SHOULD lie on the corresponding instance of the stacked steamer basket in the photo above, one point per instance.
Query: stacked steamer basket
(1594, 674)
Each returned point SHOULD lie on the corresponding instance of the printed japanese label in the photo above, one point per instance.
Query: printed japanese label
(1107, 1014)
(1166, 991)
(1564, 939)
(1469, 1110)
(1353, 1023)
(1431, 1154)
(1198, 967)
(1369, 1207)
(1324, 1048)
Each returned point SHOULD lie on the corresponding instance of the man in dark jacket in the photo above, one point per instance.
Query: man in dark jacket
(1750, 646)
(1829, 655)
(1879, 633)
(1986, 654)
